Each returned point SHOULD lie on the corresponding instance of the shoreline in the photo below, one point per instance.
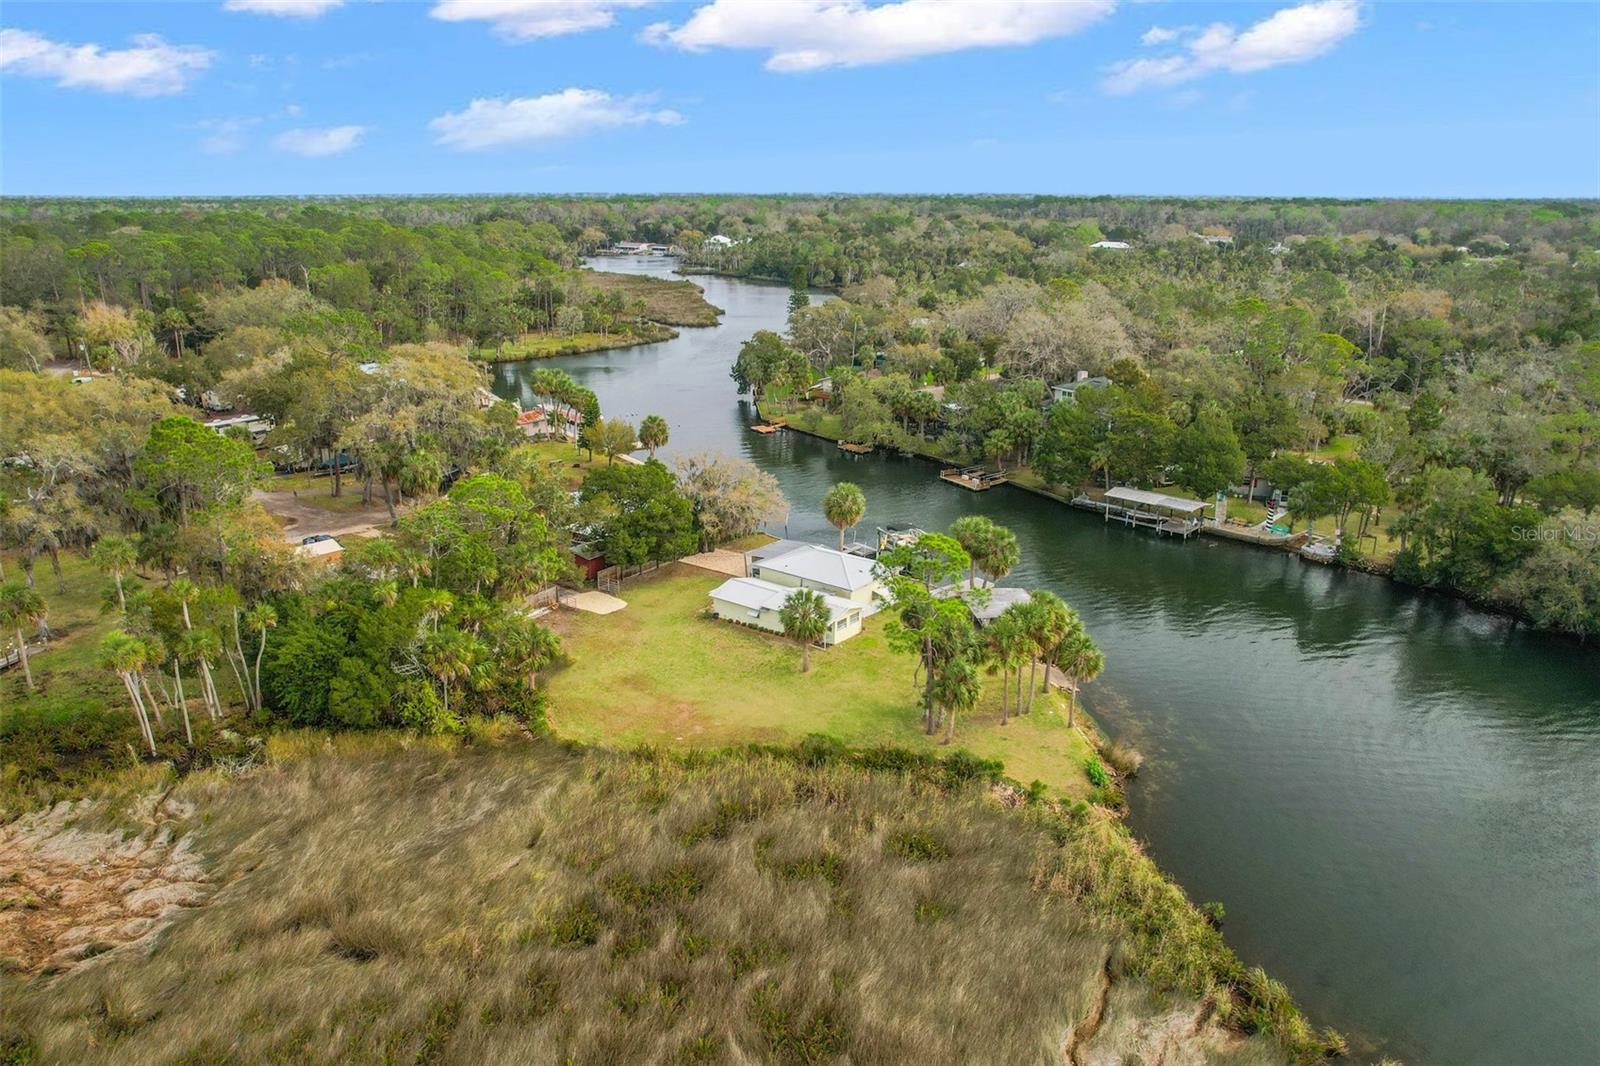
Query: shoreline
(1371, 567)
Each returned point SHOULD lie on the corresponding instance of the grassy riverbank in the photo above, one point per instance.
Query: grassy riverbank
(663, 672)
(365, 899)
(550, 345)
(673, 303)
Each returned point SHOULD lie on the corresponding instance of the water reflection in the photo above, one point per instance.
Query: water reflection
(1396, 796)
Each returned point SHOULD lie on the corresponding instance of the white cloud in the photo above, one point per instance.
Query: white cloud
(526, 19)
(152, 67)
(1291, 35)
(303, 9)
(320, 142)
(1160, 35)
(487, 123)
(816, 34)
(224, 136)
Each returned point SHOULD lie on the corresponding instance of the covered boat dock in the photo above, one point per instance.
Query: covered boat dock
(1168, 515)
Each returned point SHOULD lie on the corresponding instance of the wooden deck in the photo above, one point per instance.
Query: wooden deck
(973, 477)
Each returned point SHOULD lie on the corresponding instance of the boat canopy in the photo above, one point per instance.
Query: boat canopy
(1141, 498)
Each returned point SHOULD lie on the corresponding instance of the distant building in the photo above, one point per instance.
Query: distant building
(717, 240)
(754, 602)
(631, 248)
(1119, 245)
(255, 425)
(534, 423)
(1067, 391)
(589, 559)
(1214, 240)
(984, 601)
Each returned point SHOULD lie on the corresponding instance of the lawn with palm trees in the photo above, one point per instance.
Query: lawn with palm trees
(664, 672)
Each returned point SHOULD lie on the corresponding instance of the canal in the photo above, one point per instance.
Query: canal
(1395, 796)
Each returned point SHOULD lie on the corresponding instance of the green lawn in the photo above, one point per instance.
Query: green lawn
(66, 667)
(662, 672)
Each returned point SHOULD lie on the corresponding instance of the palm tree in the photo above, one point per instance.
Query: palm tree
(1081, 660)
(527, 648)
(22, 606)
(1000, 553)
(1009, 644)
(653, 433)
(436, 603)
(955, 688)
(449, 657)
(125, 655)
(1055, 621)
(261, 618)
(844, 506)
(114, 556)
(204, 649)
(386, 592)
(805, 617)
(177, 684)
(972, 532)
(201, 646)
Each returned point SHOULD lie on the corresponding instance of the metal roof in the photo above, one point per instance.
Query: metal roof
(757, 595)
(1141, 498)
(825, 566)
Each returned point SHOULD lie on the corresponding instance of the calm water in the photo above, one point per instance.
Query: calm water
(1396, 797)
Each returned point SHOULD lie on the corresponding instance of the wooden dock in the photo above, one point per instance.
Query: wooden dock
(975, 478)
(1164, 524)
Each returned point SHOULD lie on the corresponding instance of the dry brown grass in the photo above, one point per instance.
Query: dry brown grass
(533, 902)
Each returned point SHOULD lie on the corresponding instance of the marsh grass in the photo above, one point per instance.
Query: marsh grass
(528, 902)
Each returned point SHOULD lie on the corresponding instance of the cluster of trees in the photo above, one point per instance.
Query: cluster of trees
(952, 651)
(1399, 346)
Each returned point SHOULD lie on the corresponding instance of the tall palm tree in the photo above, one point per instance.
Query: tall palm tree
(177, 684)
(844, 506)
(653, 433)
(973, 532)
(114, 556)
(805, 619)
(1054, 622)
(1008, 644)
(22, 606)
(1082, 661)
(955, 688)
(1000, 554)
(449, 657)
(436, 603)
(204, 648)
(125, 655)
(261, 618)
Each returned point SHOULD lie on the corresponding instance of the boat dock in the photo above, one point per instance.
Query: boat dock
(975, 478)
(1167, 515)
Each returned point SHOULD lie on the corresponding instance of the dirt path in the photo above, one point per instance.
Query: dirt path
(301, 519)
(718, 561)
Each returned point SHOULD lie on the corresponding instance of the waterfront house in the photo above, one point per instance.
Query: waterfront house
(986, 602)
(717, 240)
(754, 602)
(1067, 391)
(825, 570)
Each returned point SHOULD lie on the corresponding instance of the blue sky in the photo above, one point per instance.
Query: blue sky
(1326, 97)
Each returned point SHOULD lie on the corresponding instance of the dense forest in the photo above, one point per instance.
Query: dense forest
(1426, 372)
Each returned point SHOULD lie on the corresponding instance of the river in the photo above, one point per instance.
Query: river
(1395, 796)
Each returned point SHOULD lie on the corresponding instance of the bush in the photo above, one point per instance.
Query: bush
(1096, 772)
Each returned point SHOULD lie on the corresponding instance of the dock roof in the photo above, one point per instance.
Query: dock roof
(1141, 498)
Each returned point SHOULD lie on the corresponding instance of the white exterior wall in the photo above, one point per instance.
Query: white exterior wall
(772, 621)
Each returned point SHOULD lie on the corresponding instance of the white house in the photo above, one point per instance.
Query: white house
(1111, 244)
(717, 240)
(759, 603)
(1067, 391)
(825, 570)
